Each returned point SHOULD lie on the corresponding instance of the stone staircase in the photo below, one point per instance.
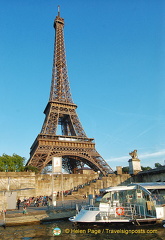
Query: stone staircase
(94, 186)
(91, 187)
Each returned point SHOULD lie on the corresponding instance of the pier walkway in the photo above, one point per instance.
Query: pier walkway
(62, 210)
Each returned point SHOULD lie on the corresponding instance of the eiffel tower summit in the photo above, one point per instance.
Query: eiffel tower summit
(72, 145)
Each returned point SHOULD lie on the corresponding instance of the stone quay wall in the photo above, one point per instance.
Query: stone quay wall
(28, 184)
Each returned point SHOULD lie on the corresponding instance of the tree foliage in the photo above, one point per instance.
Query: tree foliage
(158, 165)
(30, 168)
(145, 168)
(125, 169)
(14, 163)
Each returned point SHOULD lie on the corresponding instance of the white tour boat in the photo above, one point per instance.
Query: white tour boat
(135, 203)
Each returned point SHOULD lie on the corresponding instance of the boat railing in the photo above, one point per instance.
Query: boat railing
(140, 210)
(90, 208)
(136, 209)
(116, 212)
(124, 211)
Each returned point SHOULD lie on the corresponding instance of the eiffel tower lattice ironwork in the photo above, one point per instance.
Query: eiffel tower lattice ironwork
(73, 145)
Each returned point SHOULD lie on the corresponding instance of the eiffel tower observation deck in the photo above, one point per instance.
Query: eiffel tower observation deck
(72, 145)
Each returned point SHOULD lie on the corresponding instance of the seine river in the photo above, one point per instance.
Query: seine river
(65, 230)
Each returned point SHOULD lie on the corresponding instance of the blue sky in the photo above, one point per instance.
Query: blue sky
(116, 65)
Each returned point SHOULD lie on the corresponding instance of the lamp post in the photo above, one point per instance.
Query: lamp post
(62, 187)
(54, 194)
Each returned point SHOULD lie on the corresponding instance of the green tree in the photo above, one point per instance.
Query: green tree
(145, 168)
(14, 163)
(158, 165)
(125, 169)
(30, 168)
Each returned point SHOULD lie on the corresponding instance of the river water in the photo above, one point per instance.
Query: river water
(66, 230)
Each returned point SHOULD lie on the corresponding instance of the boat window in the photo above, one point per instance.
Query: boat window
(145, 196)
(123, 196)
(139, 193)
(106, 198)
(159, 199)
(133, 196)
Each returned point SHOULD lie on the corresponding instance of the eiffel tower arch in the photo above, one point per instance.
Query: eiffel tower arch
(72, 144)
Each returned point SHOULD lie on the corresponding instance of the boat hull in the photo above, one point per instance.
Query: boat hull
(120, 222)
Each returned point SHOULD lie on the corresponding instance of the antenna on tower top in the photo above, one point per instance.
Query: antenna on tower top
(58, 10)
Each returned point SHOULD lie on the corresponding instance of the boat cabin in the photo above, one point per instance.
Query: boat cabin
(143, 199)
(135, 203)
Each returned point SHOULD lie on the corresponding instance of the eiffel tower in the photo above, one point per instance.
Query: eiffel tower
(73, 145)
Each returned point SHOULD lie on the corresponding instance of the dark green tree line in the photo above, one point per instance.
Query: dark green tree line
(15, 163)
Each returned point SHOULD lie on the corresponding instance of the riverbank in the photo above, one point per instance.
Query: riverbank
(62, 210)
(39, 216)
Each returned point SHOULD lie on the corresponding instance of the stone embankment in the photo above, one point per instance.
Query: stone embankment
(14, 219)
(63, 210)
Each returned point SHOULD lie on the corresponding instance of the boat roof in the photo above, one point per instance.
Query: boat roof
(151, 185)
(147, 186)
(117, 188)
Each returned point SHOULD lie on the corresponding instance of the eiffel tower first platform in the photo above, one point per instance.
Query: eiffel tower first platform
(72, 145)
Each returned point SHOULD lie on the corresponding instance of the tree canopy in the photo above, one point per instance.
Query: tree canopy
(158, 165)
(126, 169)
(30, 168)
(14, 163)
(146, 168)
